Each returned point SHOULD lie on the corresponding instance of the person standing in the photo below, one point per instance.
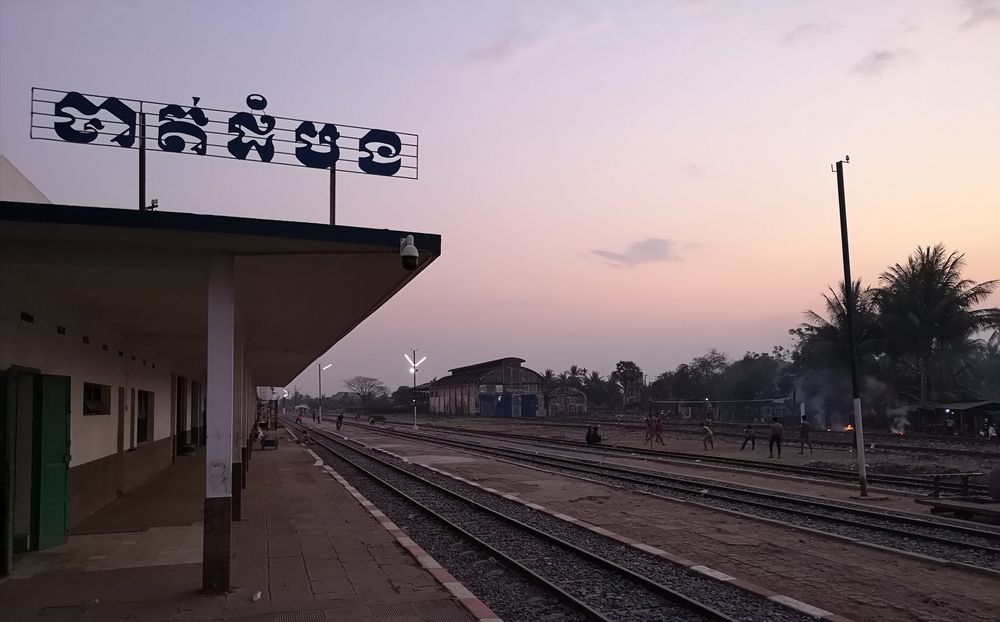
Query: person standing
(803, 436)
(708, 439)
(658, 430)
(776, 431)
(749, 436)
(340, 421)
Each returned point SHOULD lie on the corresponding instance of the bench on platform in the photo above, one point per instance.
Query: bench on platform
(937, 477)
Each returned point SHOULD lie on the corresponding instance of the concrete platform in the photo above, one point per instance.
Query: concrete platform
(305, 544)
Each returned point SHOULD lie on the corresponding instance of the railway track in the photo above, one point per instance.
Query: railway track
(552, 570)
(842, 440)
(974, 547)
(897, 482)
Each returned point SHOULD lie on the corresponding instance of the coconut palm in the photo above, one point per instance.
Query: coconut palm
(928, 311)
(825, 338)
(575, 375)
(548, 383)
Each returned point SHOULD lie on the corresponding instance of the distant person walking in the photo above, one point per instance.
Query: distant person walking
(707, 438)
(340, 421)
(749, 436)
(776, 431)
(803, 436)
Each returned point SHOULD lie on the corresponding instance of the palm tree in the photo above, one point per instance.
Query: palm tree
(575, 375)
(826, 337)
(547, 384)
(927, 310)
(596, 388)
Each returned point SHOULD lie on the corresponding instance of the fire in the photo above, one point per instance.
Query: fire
(849, 427)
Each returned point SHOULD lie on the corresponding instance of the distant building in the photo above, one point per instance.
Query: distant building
(500, 388)
(567, 401)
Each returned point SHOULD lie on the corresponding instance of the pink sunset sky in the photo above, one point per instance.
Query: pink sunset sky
(627, 180)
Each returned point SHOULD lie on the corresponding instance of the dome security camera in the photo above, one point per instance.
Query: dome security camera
(408, 253)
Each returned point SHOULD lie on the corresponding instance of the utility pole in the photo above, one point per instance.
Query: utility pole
(851, 303)
(414, 364)
(320, 368)
(413, 393)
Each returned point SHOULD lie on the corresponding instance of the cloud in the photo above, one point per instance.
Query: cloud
(980, 12)
(510, 43)
(879, 61)
(808, 32)
(693, 170)
(650, 250)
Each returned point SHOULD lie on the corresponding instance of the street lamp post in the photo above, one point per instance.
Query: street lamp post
(851, 304)
(320, 368)
(414, 364)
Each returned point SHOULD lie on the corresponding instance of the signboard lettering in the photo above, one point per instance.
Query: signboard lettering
(252, 134)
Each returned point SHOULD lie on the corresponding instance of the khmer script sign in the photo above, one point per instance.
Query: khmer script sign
(252, 134)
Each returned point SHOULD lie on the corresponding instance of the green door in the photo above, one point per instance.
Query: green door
(53, 437)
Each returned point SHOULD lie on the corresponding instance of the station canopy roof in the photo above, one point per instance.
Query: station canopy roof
(300, 287)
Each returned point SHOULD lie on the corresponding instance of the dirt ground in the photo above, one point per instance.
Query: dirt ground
(880, 460)
(851, 580)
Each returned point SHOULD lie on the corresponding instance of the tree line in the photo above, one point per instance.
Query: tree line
(922, 337)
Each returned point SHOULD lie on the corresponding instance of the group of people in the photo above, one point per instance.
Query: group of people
(654, 431)
(593, 435)
(777, 431)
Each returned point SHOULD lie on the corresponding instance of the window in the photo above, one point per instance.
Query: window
(144, 416)
(96, 399)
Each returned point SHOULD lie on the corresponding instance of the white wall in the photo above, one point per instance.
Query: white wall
(14, 186)
(38, 345)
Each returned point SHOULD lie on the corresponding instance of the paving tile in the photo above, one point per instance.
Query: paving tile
(304, 543)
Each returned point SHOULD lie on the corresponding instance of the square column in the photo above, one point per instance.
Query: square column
(237, 464)
(220, 393)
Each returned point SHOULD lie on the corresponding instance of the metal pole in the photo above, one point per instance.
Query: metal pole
(414, 393)
(851, 308)
(333, 194)
(319, 373)
(142, 161)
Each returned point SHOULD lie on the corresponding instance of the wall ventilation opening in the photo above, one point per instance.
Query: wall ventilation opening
(61, 330)
(27, 317)
(86, 339)
(121, 353)
(104, 347)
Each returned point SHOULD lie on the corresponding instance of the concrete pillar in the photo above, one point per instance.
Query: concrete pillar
(219, 426)
(237, 446)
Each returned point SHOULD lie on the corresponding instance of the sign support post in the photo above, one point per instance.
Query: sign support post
(333, 195)
(142, 160)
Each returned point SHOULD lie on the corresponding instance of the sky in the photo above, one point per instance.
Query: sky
(627, 180)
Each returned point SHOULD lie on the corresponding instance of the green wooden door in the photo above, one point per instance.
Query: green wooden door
(53, 461)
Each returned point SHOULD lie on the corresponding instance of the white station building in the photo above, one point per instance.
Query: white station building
(128, 338)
